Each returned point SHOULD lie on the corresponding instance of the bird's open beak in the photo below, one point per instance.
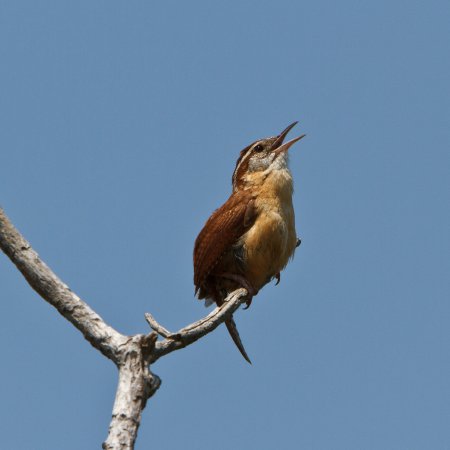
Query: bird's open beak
(278, 145)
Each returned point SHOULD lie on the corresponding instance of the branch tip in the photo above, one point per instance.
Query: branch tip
(154, 325)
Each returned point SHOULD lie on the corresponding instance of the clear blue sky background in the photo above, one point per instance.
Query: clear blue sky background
(120, 123)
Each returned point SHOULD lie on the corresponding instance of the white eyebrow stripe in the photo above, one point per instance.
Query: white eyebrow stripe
(244, 158)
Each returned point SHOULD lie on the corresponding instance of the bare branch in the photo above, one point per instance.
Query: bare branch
(136, 385)
(54, 291)
(154, 325)
(131, 354)
(195, 331)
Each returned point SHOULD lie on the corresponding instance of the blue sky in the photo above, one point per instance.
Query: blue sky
(120, 126)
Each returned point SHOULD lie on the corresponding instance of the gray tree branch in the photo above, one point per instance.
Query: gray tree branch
(54, 291)
(194, 331)
(131, 354)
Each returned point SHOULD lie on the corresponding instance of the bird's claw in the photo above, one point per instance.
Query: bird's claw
(278, 277)
(248, 302)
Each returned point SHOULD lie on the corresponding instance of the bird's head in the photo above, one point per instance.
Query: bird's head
(263, 156)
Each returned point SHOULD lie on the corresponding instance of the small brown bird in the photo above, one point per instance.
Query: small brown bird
(249, 240)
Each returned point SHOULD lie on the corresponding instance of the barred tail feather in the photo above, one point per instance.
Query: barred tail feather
(232, 329)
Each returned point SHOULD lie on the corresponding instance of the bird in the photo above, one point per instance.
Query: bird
(249, 240)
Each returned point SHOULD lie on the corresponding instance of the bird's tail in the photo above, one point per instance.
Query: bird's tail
(232, 329)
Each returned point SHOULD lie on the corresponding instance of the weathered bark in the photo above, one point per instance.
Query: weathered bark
(136, 385)
(131, 354)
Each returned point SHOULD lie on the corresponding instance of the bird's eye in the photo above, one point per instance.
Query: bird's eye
(258, 148)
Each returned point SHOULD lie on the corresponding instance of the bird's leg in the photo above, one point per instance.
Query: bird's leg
(244, 283)
(241, 280)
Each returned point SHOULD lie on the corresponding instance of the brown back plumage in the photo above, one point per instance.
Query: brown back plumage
(223, 229)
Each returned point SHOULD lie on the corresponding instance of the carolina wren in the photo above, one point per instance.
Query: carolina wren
(251, 237)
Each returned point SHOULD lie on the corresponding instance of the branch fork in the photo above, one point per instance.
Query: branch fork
(196, 330)
(132, 355)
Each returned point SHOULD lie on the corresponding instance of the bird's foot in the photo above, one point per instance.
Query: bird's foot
(278, 277)
(241, 280)
(244, 283)
(248, 302)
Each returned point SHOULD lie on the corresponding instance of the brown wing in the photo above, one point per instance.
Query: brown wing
(225, 226)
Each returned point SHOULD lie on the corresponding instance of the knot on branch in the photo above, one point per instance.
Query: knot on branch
(136, 349)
